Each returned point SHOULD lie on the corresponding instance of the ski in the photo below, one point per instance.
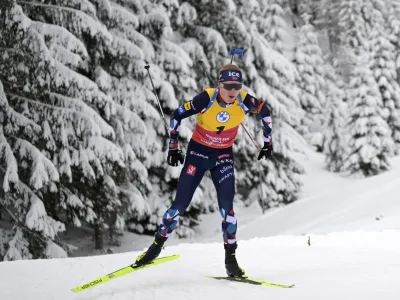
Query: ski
(251, 281)
(122, 272)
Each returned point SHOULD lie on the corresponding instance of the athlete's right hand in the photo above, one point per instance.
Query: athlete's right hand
(175, 156)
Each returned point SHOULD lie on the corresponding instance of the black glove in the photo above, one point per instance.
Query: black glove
(266, 151)
(174, 156)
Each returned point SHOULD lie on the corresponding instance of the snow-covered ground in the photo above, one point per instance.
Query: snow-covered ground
(353, 226)
(333, 203)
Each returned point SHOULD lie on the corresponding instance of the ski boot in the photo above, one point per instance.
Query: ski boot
(151, 253)
(231, 264)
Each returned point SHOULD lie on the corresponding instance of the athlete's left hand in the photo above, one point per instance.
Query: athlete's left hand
(266, 151)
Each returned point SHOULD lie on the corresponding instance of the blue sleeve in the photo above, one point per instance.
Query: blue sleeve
(198, 104)
(194, 106)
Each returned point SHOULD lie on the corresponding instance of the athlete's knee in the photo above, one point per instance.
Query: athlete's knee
(180, 206)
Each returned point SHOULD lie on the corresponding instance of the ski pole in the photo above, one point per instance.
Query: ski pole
(255, 144)
(147, 67)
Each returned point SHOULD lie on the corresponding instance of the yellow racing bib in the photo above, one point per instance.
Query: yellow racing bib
(217, 127)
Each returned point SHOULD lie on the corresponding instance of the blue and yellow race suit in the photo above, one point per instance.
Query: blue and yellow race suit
(210, 149)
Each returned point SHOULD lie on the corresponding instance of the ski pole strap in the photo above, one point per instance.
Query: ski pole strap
(241, 102)
(214, 96)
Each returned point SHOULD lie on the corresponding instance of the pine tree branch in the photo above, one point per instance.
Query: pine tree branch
(16, 220)
(23, 226)
(35, 102)
(10, 111)
(14, 84)
(52, 107)
(10, 49)
(82, 110)
(50, 6)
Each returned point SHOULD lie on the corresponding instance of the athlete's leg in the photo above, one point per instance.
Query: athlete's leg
(196, 164)
(223, 176)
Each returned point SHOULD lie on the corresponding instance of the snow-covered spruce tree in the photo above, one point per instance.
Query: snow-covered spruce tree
(79, 114)
(370, 144)
(183, 19)
(120, 73)
(393, 27)
(174, 80)
(383, 66)
(362, 21)
(217, 30)
(171, 75)
(336, 116)
(14, 244)
(27, 174)
(309, 62)
(279, 179)
(351, 29)
(274, 27)
(313, 8)
(269, 68)
(330, 20)
(272, 77)
(352, 24)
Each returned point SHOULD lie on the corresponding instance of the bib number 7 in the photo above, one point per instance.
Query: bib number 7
(220, 129)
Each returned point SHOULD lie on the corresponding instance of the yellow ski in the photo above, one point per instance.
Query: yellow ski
(122, 272)
(251, 281)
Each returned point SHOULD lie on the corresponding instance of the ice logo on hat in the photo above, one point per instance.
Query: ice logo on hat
(223, 117)
(234, 75)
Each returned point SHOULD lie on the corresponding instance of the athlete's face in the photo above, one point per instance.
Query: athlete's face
(229, 90)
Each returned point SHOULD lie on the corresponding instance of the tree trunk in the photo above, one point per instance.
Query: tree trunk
(98, 236)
